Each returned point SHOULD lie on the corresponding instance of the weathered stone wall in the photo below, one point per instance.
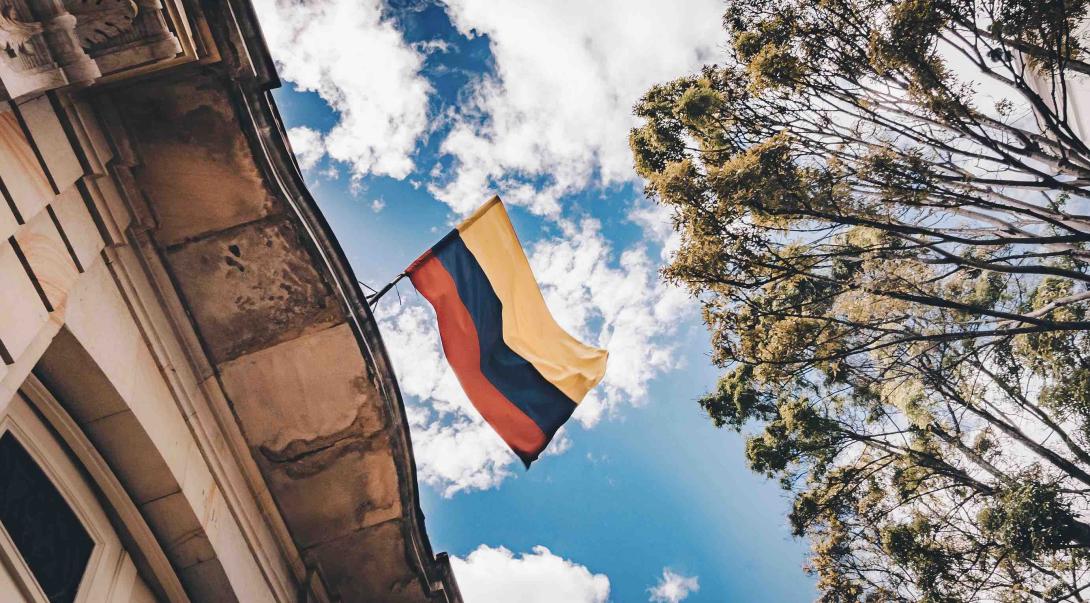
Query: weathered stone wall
(276, 334)
(165, 274)
(78, 309)
(54, 44)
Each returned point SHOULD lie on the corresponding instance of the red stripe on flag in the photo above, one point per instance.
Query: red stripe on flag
(463, 351)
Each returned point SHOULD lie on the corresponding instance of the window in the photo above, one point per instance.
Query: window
(57, 544)
(44, 529)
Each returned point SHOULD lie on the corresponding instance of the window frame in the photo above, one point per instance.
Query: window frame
(107, 559)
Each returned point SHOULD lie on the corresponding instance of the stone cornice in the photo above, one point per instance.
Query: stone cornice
(70, 44)
(219, 84)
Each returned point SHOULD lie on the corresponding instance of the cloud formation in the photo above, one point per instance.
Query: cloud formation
(307, 145)
(359, 64)
(551, 121)
(618, 303)
(497, 574)
(657, 222)
(554, 117)
(673, 587)
(455, 449)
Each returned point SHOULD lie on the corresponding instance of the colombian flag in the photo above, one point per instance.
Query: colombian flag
(522, 371)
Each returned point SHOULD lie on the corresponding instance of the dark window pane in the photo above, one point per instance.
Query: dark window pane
(47, 533)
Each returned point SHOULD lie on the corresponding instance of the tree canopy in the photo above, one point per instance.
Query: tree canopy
(883, 207)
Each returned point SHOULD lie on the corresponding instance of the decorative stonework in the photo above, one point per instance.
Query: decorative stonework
(42, 52)
(147, 38)
(203, 350)
(22, 40)
(15, 34)
(51, 44)
(101, 20)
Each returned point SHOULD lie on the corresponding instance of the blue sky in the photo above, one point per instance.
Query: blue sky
(406, 115)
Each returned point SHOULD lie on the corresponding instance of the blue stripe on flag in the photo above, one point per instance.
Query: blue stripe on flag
(510, 373)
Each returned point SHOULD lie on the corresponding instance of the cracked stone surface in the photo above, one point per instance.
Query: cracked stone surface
(197, 170)
(262, 303)
(355, 482)
(252, 287)
(285, 405)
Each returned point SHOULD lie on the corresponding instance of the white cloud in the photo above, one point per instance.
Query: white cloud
(614, 302)
(496, 574)
(673, 587)
(308, 147)
(361, 66)
(437, 45)
(455, 449)
(378, 205)
(554, 118)
(656, 220)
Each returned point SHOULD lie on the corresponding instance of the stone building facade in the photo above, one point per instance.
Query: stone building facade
(195, 403)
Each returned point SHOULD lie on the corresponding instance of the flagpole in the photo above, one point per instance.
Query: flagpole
(374, 298)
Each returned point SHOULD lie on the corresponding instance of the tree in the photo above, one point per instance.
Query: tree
(883, 209)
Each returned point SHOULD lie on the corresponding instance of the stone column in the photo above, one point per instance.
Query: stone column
(40, 48)
(59, 32)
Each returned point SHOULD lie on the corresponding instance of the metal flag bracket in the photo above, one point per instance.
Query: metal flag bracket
(375, 296)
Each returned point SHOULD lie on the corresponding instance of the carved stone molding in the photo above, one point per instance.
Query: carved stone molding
(100, 20)
(51, 44)
(41, 52)
(15, 34)
(147, 39)
(60, 36)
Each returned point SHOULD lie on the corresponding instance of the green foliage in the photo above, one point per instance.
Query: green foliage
(1042, 23)
(909, 36)
(895, 283)
(1027, 519)
(735, 402)
(916, 546)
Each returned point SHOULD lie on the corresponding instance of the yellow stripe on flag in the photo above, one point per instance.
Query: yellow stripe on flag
(528, 327)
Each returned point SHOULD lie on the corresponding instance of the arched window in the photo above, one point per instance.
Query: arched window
(56, 542)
